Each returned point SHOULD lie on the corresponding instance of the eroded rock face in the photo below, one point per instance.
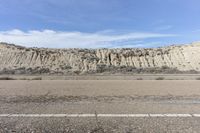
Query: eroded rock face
(183, 58)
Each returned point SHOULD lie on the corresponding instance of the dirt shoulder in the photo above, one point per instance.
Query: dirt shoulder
(99, 88)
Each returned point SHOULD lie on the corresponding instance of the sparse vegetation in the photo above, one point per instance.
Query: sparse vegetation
(101, 68)
(24, 70)
(65, 67)
(24, 78)
(160, 78)
(6, 78)
(37, 78)
(77, 72)
(133, 70)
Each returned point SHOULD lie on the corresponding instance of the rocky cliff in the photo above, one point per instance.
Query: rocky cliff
(18, 59)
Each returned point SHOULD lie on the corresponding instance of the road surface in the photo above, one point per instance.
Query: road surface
(99, 106)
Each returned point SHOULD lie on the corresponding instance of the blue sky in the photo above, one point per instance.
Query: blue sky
(99, 23)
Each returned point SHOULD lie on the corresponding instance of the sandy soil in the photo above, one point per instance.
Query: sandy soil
(100, 88)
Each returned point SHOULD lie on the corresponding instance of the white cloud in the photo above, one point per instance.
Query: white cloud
(61, 39)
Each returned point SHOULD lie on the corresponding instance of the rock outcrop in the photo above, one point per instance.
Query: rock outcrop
(44, 60)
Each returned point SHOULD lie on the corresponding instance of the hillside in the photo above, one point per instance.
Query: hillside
(21, 60)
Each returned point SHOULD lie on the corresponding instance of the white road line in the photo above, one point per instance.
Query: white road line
(196, 115)
(123, 115)
(170, 115)
(47, 115)
(99, 115)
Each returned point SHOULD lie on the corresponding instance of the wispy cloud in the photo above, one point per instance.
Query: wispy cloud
(64, 39)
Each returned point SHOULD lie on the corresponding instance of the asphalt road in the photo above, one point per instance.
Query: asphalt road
(50, 101)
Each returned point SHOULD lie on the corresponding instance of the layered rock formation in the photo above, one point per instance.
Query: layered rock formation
(43, 60)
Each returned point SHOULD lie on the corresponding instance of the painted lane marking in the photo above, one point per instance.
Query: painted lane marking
(100, 115)
(170, 115)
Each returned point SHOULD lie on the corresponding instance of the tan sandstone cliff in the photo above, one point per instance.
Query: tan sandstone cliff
(183, 58)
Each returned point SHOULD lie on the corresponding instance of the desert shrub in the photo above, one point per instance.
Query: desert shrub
(24, 79)
(77, 72)
(21, 70)
(7, 71)
(6, 78)
(24, 70)
(66, 67)
(37, 78)
(131, 69)
(101, 68)
(160, 78)
(37, 70)
(43, 70)
(139, 78)
(165, 67)
(198, 78)
(192, 72)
